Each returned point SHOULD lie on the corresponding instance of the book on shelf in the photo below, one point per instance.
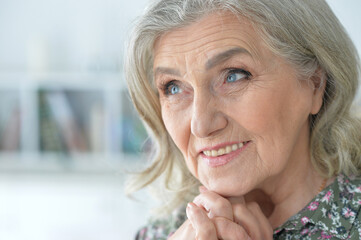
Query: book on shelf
(50, 137)
(96, 128)
(63, 120)
(10, 121)
(10, 135)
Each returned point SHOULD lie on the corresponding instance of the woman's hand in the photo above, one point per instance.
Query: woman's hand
(232, 218)
(213, 217)
(214, 228)
(199, 226)
(184, 232)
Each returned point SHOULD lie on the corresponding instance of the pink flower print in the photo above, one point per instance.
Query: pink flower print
(304, 220)
(304, 231)
(347, 213)
(325, 236)
(327, 196)
(313, 206)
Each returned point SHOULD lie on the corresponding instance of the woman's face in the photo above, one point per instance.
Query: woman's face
(236, 111)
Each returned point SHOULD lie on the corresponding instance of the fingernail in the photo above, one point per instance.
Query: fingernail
(192, 205)
(188, 210)
(210, 214)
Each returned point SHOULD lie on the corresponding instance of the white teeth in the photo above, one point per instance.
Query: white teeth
(222, 151)
(234, 147)
(207, 153)
(228, 149)
(214, 153)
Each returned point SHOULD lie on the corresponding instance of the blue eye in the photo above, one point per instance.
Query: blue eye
(174, 89)
(236, 75)
(171, 88)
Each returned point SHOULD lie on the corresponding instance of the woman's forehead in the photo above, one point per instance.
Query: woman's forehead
(210, 36)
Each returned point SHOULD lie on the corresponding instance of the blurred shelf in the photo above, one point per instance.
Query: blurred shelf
(85, 118)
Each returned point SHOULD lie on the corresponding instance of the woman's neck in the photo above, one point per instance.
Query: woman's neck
(283, 195)
(287, 197)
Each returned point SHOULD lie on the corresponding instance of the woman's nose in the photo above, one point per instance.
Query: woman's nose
(207, 116)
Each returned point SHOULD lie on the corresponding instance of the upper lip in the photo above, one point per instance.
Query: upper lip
(220, 145)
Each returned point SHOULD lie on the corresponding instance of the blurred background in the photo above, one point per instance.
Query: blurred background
(68, 132)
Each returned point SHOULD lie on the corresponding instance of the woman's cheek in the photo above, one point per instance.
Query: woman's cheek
(175, 127)
(178, 126)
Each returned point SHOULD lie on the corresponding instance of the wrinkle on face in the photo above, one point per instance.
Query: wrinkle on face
(270, 109)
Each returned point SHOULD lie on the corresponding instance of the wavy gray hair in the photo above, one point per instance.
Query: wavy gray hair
(305, 33)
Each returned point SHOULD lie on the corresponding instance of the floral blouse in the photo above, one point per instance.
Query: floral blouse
(332, 214)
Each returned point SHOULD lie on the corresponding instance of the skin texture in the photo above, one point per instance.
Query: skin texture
(271, 178)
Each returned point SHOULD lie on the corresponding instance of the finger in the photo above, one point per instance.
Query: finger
(228, 230)
(204, 227)
(236, 200)
(185, 231)
(245, 218)
(215, 205)
(266, 228)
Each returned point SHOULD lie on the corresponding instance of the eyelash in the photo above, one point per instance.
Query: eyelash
(165, 87)
(237, 70)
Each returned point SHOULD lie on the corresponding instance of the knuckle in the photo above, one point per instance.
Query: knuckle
(240, 209)
(241, 235)
(230, 229)
(222, 203)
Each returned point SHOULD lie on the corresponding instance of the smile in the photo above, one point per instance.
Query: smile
(220, 156)
(224, 150)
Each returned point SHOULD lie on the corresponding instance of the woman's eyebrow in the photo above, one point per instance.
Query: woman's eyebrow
(166, 70)
(223, 56)
(213, 61)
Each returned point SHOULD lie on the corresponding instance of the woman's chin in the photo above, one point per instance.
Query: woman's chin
(228, 190)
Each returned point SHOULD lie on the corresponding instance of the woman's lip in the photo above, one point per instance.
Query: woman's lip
(223, 159)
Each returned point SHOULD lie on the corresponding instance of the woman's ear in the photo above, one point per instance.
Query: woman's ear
(318, 81)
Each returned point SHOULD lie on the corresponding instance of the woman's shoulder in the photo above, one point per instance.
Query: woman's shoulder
(333, 214)
(162, 227)
(344, 212)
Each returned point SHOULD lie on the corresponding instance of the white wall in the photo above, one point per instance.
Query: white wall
(348, 11)
(64, 35)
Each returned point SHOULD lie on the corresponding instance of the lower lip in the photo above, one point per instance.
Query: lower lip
(223, 159)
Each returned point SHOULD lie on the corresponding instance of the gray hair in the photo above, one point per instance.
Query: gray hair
(305, 33)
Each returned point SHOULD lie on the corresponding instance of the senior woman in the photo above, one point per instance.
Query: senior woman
(248, 104)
